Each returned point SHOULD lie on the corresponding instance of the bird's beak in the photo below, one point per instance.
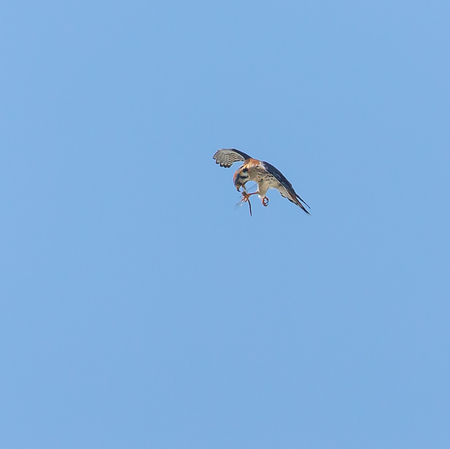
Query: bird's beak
(238, 181)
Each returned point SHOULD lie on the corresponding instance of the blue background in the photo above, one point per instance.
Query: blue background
(140, 309)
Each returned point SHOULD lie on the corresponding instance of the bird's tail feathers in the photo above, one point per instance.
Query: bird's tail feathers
(299, 202)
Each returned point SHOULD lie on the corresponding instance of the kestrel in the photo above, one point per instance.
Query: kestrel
(264, 174)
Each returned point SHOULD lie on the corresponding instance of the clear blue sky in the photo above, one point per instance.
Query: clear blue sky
(140, 309)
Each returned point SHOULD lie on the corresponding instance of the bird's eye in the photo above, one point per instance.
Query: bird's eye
(244, 170)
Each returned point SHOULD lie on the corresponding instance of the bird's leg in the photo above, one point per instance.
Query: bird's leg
(246, 199)
(246, 196)
(265, 201)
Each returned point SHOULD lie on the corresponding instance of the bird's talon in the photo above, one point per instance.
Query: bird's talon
(265, 201)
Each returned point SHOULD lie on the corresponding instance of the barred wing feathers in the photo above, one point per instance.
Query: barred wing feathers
(226, 157)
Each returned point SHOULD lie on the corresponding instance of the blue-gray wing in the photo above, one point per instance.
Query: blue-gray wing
(226, 157)
(284, 186)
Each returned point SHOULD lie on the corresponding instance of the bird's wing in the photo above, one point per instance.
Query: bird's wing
(227, 157)
(284, 186)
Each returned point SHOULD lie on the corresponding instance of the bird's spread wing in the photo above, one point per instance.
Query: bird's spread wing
(284, 187)
(227, 157)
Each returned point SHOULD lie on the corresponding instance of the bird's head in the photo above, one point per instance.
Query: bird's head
(241, 177)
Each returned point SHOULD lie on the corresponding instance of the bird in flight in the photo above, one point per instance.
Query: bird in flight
(264, 174)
